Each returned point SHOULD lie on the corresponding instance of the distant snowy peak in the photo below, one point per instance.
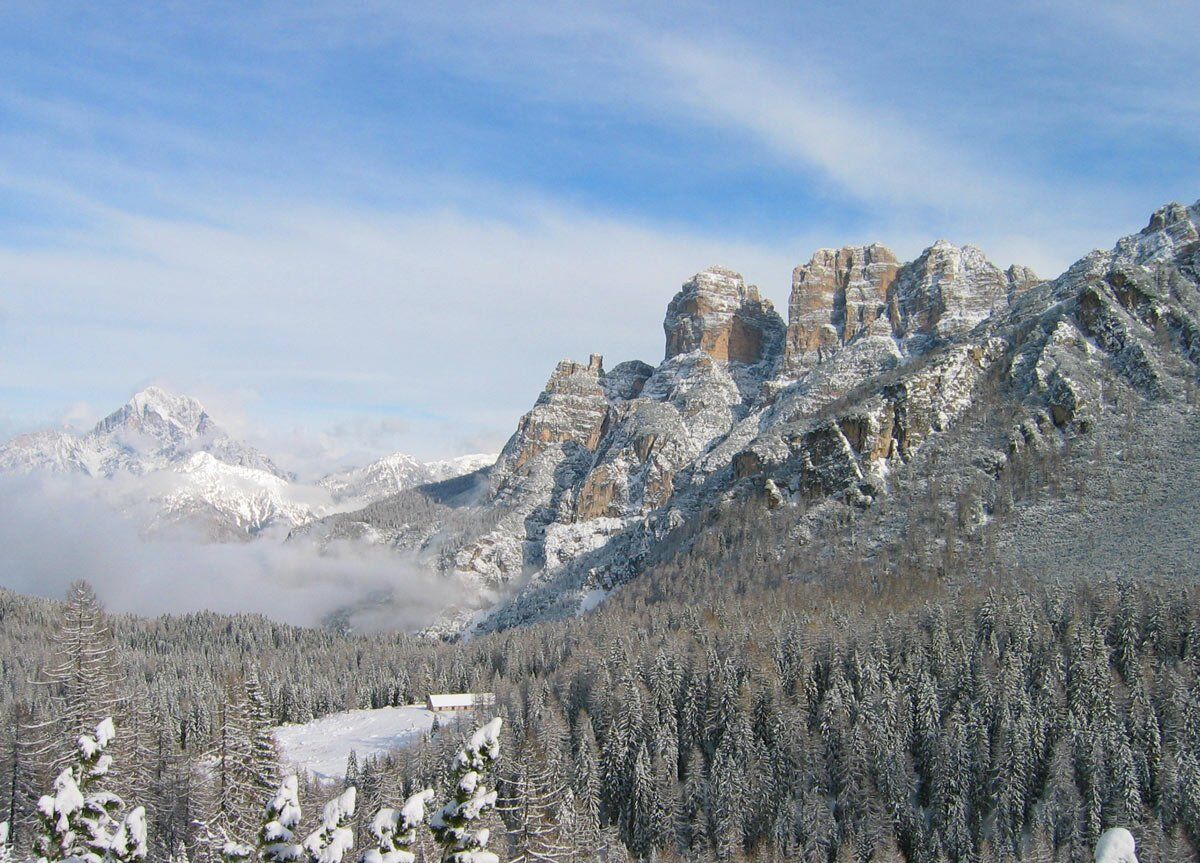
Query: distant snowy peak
(156, 427)
(152, 431)
(459, 465)
(397, 472)
(377, 480)
(49, 451)
(162, 457)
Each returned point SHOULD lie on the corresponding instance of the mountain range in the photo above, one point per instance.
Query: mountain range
(916, 417)
(896, 396)
(163, 456)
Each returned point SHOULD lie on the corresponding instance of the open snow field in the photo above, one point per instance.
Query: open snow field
(322, 746)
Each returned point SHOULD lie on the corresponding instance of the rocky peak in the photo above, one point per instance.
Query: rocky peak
(570, 375)
(945, 293)
(626, 380)
(571, 409)
(168, 418)
(718, 313)
(156, 427)
(836, 296)
(1020, 279)
(1171, 228)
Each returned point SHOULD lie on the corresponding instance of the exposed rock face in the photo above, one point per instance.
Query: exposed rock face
(716, 312)
(836, 296)
(885, 363)
(1020, 279)
(570, 410)
(945, 293)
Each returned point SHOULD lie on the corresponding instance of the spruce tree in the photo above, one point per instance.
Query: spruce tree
(263, 753)
(395, 830)
(82, 819)
(454, 825)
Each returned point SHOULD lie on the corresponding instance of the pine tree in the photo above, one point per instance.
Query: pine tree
(691, 818)
(81, 819)
(263, 754)
(233, 793)
(83, 675)
(640, 808)
(334, 836)
(533, 805)
(395, 830)
(587, 784)
(454, 824)
(277, 837)
(21, 773)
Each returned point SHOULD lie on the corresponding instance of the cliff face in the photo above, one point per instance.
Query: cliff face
(717, 313)
(880, 364)
(836, 297)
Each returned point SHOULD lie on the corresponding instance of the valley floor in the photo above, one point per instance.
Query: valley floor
(321, 747)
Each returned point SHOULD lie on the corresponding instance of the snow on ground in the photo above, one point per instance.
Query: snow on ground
(322, 746)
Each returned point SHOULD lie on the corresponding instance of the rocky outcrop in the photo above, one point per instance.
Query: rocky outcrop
(717, 313)
(945, 293)
(570, 410)
(838, 295)
(1020, 279)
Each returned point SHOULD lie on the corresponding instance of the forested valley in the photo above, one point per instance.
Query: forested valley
(755, 716)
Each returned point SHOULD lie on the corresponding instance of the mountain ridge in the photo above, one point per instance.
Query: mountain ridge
(880, 362)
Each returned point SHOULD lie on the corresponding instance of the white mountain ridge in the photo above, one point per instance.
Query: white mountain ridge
(169, 462)
(396, 472)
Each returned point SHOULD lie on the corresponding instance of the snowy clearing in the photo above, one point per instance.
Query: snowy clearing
(322, 746)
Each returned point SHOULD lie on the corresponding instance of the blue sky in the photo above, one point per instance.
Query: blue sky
(352, 228)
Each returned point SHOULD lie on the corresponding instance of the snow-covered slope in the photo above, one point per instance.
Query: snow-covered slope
(450, 468)
(395, 473)
(232, 500)
(322, 746)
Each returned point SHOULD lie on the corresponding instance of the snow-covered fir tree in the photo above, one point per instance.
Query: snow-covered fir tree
(263, 756)
(973, 728)
(334, 837)
(455, 825)
(394, 831)
(81, 819)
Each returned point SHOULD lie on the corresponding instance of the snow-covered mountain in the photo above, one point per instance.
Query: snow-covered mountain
(164, 459)
(394, 473)
(452, 468)
(152, 431)
(946, 373)
(230, 501)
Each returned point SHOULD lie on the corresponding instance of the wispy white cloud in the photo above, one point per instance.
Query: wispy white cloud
(198, 266)
(444, 324)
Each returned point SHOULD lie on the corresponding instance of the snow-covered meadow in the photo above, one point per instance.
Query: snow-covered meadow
(321, 747)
